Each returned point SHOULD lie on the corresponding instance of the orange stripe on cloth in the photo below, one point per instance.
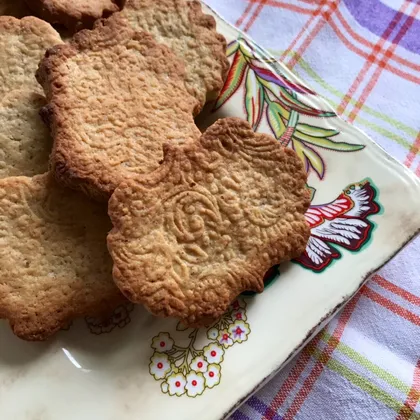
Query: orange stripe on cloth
(383, 62)
(418, 170)
(292, 379)
(287, 6)
(414, 149)
(351, 47)
(324, 18)
(391, 306)
(323, 359)
(405, 294)
(301, 32)
(244, 14)
(372, 57)
(255, 15)
(413, 396)
(308, 1)
(370, 44)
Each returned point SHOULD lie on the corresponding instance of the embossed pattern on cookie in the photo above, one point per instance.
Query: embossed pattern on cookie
(206, 226)
(22, 44)
(54, 264)
(115, 95)
(74, 14)
(191, 34)
(25, 142)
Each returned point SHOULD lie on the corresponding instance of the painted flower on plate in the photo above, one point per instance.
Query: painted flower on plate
(195, 384)
(199, 364)
(237, 304)
(120, 318)
(159, 365)
(164, 387)
(176, 384)
(213, 353)
(239, 314)
(239, 331)
(212, 375)
(163, 342)
(181, 327)
(99, 326)
(212, 333)
(225, 339)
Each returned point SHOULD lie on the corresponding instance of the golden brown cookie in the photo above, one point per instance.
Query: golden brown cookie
(74, 14)
(25, 143)
(206, 226)
(191, 34)
(54, 264)
(16, 8)
(115, 96)
(22, 44)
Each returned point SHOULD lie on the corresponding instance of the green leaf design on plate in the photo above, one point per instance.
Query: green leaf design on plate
(233, 80)
(291, 100)
(246, 50)
(274, 118)
(254, 99)
(312, 130)
(310, 157)
(269, 93)
(327, 143)
(312, 191)
(181, 327)
(232, 48)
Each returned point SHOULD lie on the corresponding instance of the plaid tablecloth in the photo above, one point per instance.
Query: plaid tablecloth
(363, 56)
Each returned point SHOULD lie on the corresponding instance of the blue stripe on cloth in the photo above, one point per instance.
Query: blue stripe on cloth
(262, 408)
(237, 415)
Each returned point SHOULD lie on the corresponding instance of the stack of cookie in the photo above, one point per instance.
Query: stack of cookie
(196, 218)
(54, 263)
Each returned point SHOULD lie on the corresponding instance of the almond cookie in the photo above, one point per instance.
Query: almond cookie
(191, 34)
(206, 226)
(16, 8)
(115, 96)
(25, 142)
(74, 14)
(54, 264)
(22, 44)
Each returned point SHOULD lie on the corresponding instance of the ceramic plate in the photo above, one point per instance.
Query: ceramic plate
(364, 209)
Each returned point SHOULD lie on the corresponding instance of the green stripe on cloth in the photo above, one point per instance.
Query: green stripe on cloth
(361, 382)
(395, 123)
(366, 363)
(412, 132)
(386, 133)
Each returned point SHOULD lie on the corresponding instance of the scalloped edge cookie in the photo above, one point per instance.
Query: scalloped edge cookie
(207, 225)
(17, 38)
(72, 14)
(146, 110)
(191, 35)
(54, 241)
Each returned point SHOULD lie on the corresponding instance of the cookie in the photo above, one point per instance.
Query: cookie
(191, 34)
(25, 143)
(115, 95)
(207, 225)
(74, 15)
(54, 264)
(16, 8)
(22, 44)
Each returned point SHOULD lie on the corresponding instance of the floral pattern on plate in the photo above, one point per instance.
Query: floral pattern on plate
(344, 222)
(188, 370)
(119, 318)
(268, 92)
